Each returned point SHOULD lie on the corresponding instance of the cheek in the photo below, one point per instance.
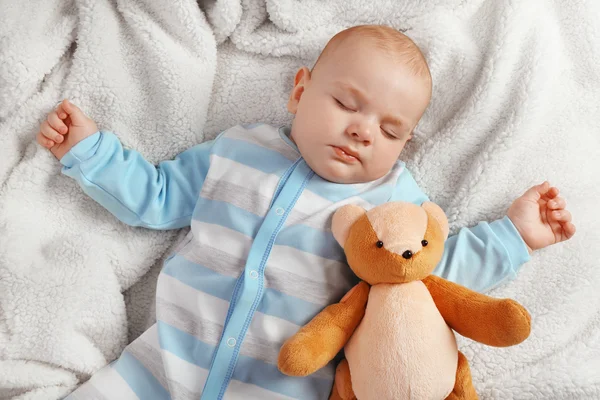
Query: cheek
(386, 154)
(320, 115)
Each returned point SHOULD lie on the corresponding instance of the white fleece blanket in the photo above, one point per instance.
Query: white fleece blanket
(516, 101)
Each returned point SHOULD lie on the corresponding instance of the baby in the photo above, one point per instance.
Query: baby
(260, 260)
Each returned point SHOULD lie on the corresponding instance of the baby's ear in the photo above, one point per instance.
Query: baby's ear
(433, 210)
(300, 81)
(343, 219)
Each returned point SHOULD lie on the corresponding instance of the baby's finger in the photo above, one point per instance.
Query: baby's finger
(534, 193)
(45, 142)
(569, 230)
(60, 110)
(552, 192)
(50, 133)
(562, 216)
(57, 123)
(77, 116)
(558, 203)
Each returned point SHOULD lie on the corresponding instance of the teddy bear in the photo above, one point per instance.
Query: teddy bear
(397, 325)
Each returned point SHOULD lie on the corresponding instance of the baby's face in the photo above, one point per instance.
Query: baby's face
(355, 112)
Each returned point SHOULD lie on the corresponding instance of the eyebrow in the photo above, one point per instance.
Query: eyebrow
(357, 93)
(353, 90)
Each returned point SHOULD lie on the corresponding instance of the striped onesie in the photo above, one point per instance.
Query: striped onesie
(259, 261)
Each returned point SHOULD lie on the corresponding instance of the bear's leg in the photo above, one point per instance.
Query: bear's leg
(342, 386)
(463, 387)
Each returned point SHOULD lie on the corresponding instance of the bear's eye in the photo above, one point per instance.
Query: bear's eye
(424, 243)
(379, 244)
(407, 254)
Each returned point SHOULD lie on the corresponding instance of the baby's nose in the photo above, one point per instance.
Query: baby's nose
(362, 132)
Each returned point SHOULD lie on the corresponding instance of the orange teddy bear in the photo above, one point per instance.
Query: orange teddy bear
(396, 327)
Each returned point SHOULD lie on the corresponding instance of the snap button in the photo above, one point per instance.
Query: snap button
(253, 274)
(279, 211)
(231, 342)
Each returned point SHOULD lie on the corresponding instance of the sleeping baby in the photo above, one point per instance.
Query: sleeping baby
(260, 260)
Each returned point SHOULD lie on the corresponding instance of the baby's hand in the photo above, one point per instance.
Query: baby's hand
(64, 128)
(541, 217)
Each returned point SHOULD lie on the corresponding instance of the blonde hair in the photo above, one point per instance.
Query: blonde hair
(388, 39)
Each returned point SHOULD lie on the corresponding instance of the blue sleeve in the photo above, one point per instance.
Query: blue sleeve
(137, 192)
(484, 256)
(481, 257)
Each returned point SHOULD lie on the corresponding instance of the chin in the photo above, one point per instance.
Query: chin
(337, 174)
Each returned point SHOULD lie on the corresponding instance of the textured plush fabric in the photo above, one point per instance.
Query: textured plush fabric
(515, 101)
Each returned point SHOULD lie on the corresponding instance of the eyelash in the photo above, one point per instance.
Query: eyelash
(339, 103)
(389, 135)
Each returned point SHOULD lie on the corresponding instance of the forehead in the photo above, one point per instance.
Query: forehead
(383, 78)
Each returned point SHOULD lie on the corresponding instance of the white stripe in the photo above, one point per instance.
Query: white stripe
(150, 337)
(310, 201)
(265, 136)
(188, 375)
(390, 179)
(192, 300)
(242, 390)
(263, 132)
(222, 238)
(290, 271)
(224, 169)
(315, 211)
(270, 328)
(310, 266)
(205, 306)
(112, 385)
(193, 378)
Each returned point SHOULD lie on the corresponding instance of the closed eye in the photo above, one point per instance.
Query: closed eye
(343, 106)
(389, 135)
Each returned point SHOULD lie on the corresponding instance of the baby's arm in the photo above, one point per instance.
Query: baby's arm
(134, 190)
(481, 257)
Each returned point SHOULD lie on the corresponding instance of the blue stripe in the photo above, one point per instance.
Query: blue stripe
(287, 307)
(408, 190)
(227, 215)
(268, 376)
(184, 345)
(199, 277)
(274, 303)
(141, 381)
(252, 155)
(379, 195)
(248, 370)
(311, 240)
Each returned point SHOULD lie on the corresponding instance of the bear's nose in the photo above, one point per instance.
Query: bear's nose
(407, 254)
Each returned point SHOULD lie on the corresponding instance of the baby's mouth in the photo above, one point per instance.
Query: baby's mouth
(346, 155)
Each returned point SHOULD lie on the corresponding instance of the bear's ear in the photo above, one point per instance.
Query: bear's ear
(433, 210)
(343, 219)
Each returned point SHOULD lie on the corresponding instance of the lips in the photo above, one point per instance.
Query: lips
(345, 154)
